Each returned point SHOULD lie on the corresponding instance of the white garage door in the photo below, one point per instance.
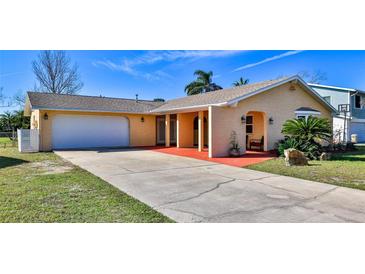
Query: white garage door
(84, 131)
(359, 129)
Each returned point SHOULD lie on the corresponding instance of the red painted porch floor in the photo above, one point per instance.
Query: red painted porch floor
(249, 158)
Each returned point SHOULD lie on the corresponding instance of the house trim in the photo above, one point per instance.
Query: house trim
(90, 110)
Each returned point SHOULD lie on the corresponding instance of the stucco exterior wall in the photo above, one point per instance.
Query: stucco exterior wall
(140, 133)
(279, 103)
(186, 129)
(222, 121)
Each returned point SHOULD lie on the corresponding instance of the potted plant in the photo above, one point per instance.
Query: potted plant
(235, 150)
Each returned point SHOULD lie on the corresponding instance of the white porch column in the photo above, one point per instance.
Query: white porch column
(178, 117)
(210, 132)
(266, 126)
(167, 130)
(200, 130)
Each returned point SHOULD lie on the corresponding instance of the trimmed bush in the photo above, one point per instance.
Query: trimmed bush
(305, 135)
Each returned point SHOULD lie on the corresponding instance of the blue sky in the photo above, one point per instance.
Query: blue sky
(164, 74)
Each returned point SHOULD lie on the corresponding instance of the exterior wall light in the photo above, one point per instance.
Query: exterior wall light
(142, 119)
(243, 119)
(45, 116)
(271, 120)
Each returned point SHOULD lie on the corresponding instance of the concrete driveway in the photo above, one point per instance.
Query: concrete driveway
(190, 190)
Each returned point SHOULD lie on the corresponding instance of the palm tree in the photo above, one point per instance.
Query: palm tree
(7, 120)
(19, 120)
(309, 130)
(203, 83)
(240, 82)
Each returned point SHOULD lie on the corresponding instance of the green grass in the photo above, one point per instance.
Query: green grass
(5, 140)
(41, 187)
(344, 169)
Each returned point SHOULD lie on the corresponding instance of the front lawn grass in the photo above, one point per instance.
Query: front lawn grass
(344, 169)
(41, 187)
(4, 140)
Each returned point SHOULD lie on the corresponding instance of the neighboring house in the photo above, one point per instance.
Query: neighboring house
(254, 111)
(355, 121)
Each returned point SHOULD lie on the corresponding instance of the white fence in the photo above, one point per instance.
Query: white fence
(28, 140)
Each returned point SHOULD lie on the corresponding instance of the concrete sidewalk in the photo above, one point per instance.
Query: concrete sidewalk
(190, 190)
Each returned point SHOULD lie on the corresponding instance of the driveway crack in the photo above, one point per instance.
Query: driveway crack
(165, 169)
(258, 210)
(199, 194)
(201, 217)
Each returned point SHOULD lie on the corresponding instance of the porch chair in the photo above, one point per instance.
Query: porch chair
(257, 143)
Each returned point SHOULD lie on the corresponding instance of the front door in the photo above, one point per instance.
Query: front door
(160, 121)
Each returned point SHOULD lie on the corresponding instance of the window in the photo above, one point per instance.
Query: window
(249, 124)
(327, 99)
(357, 101)
(305, 112)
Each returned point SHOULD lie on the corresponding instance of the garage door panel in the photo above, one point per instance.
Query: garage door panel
(87, 131)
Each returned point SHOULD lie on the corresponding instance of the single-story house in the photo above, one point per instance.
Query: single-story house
(255, 111)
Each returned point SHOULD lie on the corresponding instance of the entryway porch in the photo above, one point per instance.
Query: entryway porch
(183, 130)
(249, 158)
(208, 130)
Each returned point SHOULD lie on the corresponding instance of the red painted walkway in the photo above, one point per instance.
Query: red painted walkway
(249, 158)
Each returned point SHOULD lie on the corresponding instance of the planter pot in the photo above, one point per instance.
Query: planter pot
(234, 153)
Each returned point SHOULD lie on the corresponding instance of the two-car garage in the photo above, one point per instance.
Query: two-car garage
(79, 121)
(88, 131)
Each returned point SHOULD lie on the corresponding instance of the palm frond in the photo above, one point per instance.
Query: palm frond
(203, 83)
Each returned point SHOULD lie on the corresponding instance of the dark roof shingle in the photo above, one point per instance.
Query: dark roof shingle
(306, 109)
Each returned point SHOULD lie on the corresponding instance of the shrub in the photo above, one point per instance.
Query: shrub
(287, 143)
(306, 135)
(312, 128)
(311, 150)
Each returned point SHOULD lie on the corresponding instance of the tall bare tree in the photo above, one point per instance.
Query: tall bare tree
(4, 100)
(19, 98)
(55, 73)
(314, 77)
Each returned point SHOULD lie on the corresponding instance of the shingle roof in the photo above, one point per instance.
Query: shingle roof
(216, 97)
(306, 109)
(40, 100)
(94, 103)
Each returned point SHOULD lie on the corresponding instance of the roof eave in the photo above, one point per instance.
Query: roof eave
(187, 109)
(89, 110)
(330, 87)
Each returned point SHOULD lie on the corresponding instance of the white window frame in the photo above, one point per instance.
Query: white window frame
(306, 114)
